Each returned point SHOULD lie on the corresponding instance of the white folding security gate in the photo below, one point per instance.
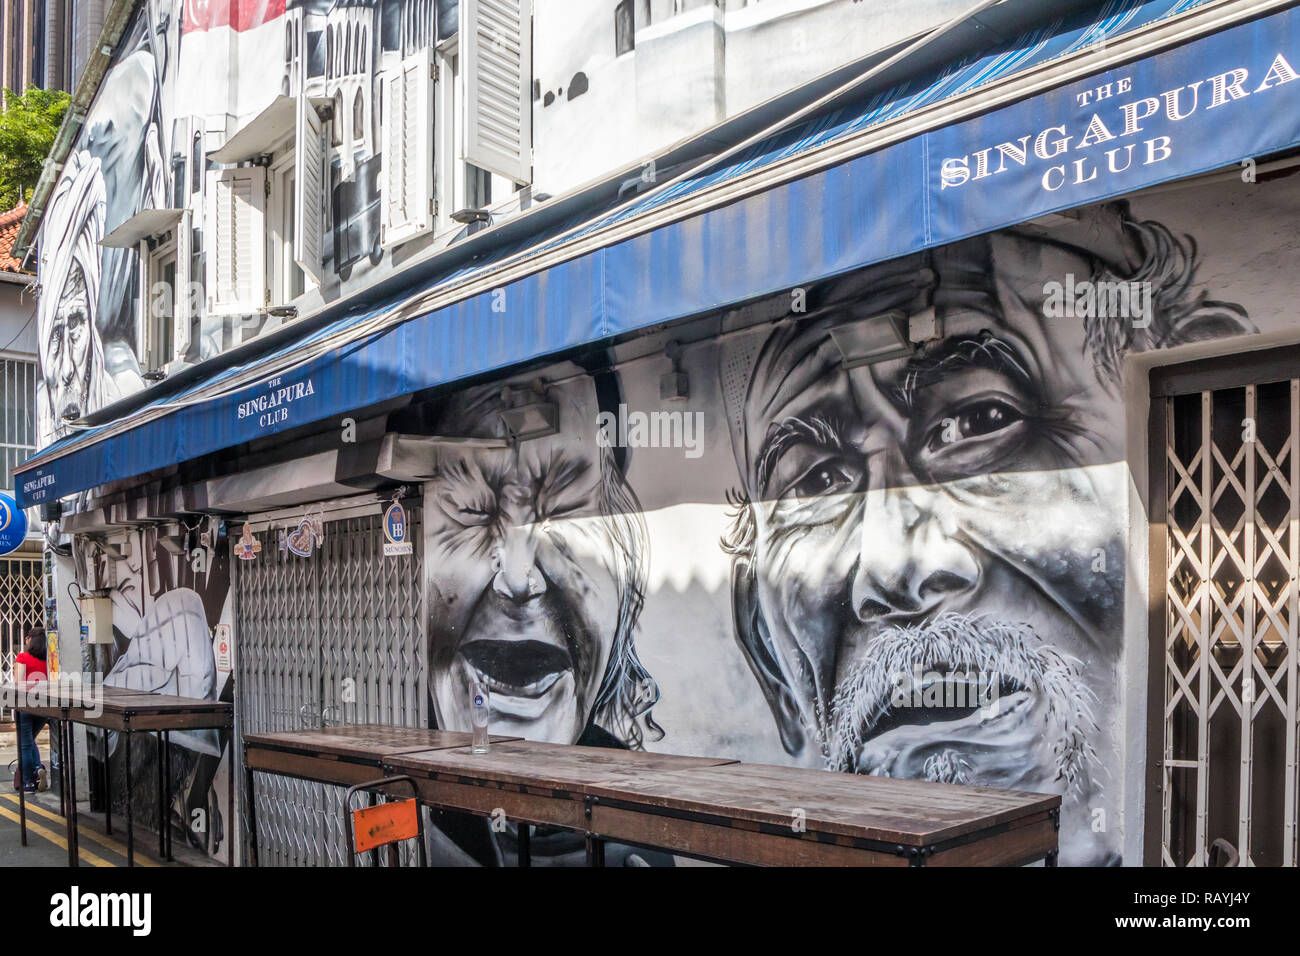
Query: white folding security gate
(334, 638)
(1232, 556)
(22, 606)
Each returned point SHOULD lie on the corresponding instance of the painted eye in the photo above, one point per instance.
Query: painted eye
(827, 477)
(474, 516)
(976, 420)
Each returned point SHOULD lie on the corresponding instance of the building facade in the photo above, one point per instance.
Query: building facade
(47, 43)
(22, 571)
(882, 388)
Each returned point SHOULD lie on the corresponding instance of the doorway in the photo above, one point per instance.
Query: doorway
(1225, 504)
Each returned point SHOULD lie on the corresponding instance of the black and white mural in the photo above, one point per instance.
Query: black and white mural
(172, 614)
(912, 567)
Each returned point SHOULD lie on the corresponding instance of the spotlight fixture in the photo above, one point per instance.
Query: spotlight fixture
(675, 385)
(875, 338)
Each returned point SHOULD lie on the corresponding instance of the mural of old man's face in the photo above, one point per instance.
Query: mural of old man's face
(947, 516)
(535, 554)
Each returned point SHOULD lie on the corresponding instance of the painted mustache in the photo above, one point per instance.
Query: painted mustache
(1035, 680)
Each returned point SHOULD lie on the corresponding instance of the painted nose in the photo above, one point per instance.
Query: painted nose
(911, 563)
(67, 365)
(518, 578)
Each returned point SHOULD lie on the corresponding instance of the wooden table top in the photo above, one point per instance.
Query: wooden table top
(364, 741)
(892, 810)
(79, 696)
(142, 703)
(555, 766)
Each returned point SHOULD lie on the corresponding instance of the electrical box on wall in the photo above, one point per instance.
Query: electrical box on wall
(97, 619)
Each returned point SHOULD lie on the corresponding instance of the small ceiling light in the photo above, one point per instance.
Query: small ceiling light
(675, 385)
(470, 216)
(876, 338)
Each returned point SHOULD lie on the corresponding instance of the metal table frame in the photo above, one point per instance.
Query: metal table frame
(269, 753)
(602, 813)
(131, 714)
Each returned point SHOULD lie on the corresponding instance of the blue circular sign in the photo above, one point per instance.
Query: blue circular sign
(13, 524)
(395, 523)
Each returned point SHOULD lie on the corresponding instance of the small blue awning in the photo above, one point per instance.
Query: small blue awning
(1203, 105)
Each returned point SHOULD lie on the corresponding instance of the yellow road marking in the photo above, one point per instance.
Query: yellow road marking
(104, 841)
(85, 855)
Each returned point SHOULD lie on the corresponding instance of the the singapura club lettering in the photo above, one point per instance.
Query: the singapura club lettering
(1111, 124)
(273, 407)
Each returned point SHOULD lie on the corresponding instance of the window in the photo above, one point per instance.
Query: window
(408, 150)
(17, 416)
(235, 248)
(624, 29)
(264, 223)
(286, 277)
(461, 185)
(495, 52)
(162, 298)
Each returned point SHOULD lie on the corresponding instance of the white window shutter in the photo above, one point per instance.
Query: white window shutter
(144, 285)
(183, 316)
(309, 182)
(236, 242)
(408, 150)
(496, 64)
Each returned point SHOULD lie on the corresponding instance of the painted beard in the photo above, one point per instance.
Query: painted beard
(1035, 736)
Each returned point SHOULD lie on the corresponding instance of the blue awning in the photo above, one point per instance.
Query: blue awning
(1200, 106)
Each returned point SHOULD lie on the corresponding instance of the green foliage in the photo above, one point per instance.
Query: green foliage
(27, 129)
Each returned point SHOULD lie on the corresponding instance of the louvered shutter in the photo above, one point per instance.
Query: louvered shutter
(408, 150)
(496, 63)
(144, 310)
(183, 315)
(309, 183)
(236, 242)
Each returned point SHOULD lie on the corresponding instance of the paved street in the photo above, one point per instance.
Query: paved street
(46, 834)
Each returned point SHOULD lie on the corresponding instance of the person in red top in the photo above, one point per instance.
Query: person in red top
(29, 666)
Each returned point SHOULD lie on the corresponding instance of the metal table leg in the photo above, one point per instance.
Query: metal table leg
(595, 850)
(231, 815)
(130, 822)
(167, 790)
(108, 791)
(70, 761)
(162, 806)
(251, 807)
(22, 789)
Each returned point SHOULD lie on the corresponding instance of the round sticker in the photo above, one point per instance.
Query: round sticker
(478, 700)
